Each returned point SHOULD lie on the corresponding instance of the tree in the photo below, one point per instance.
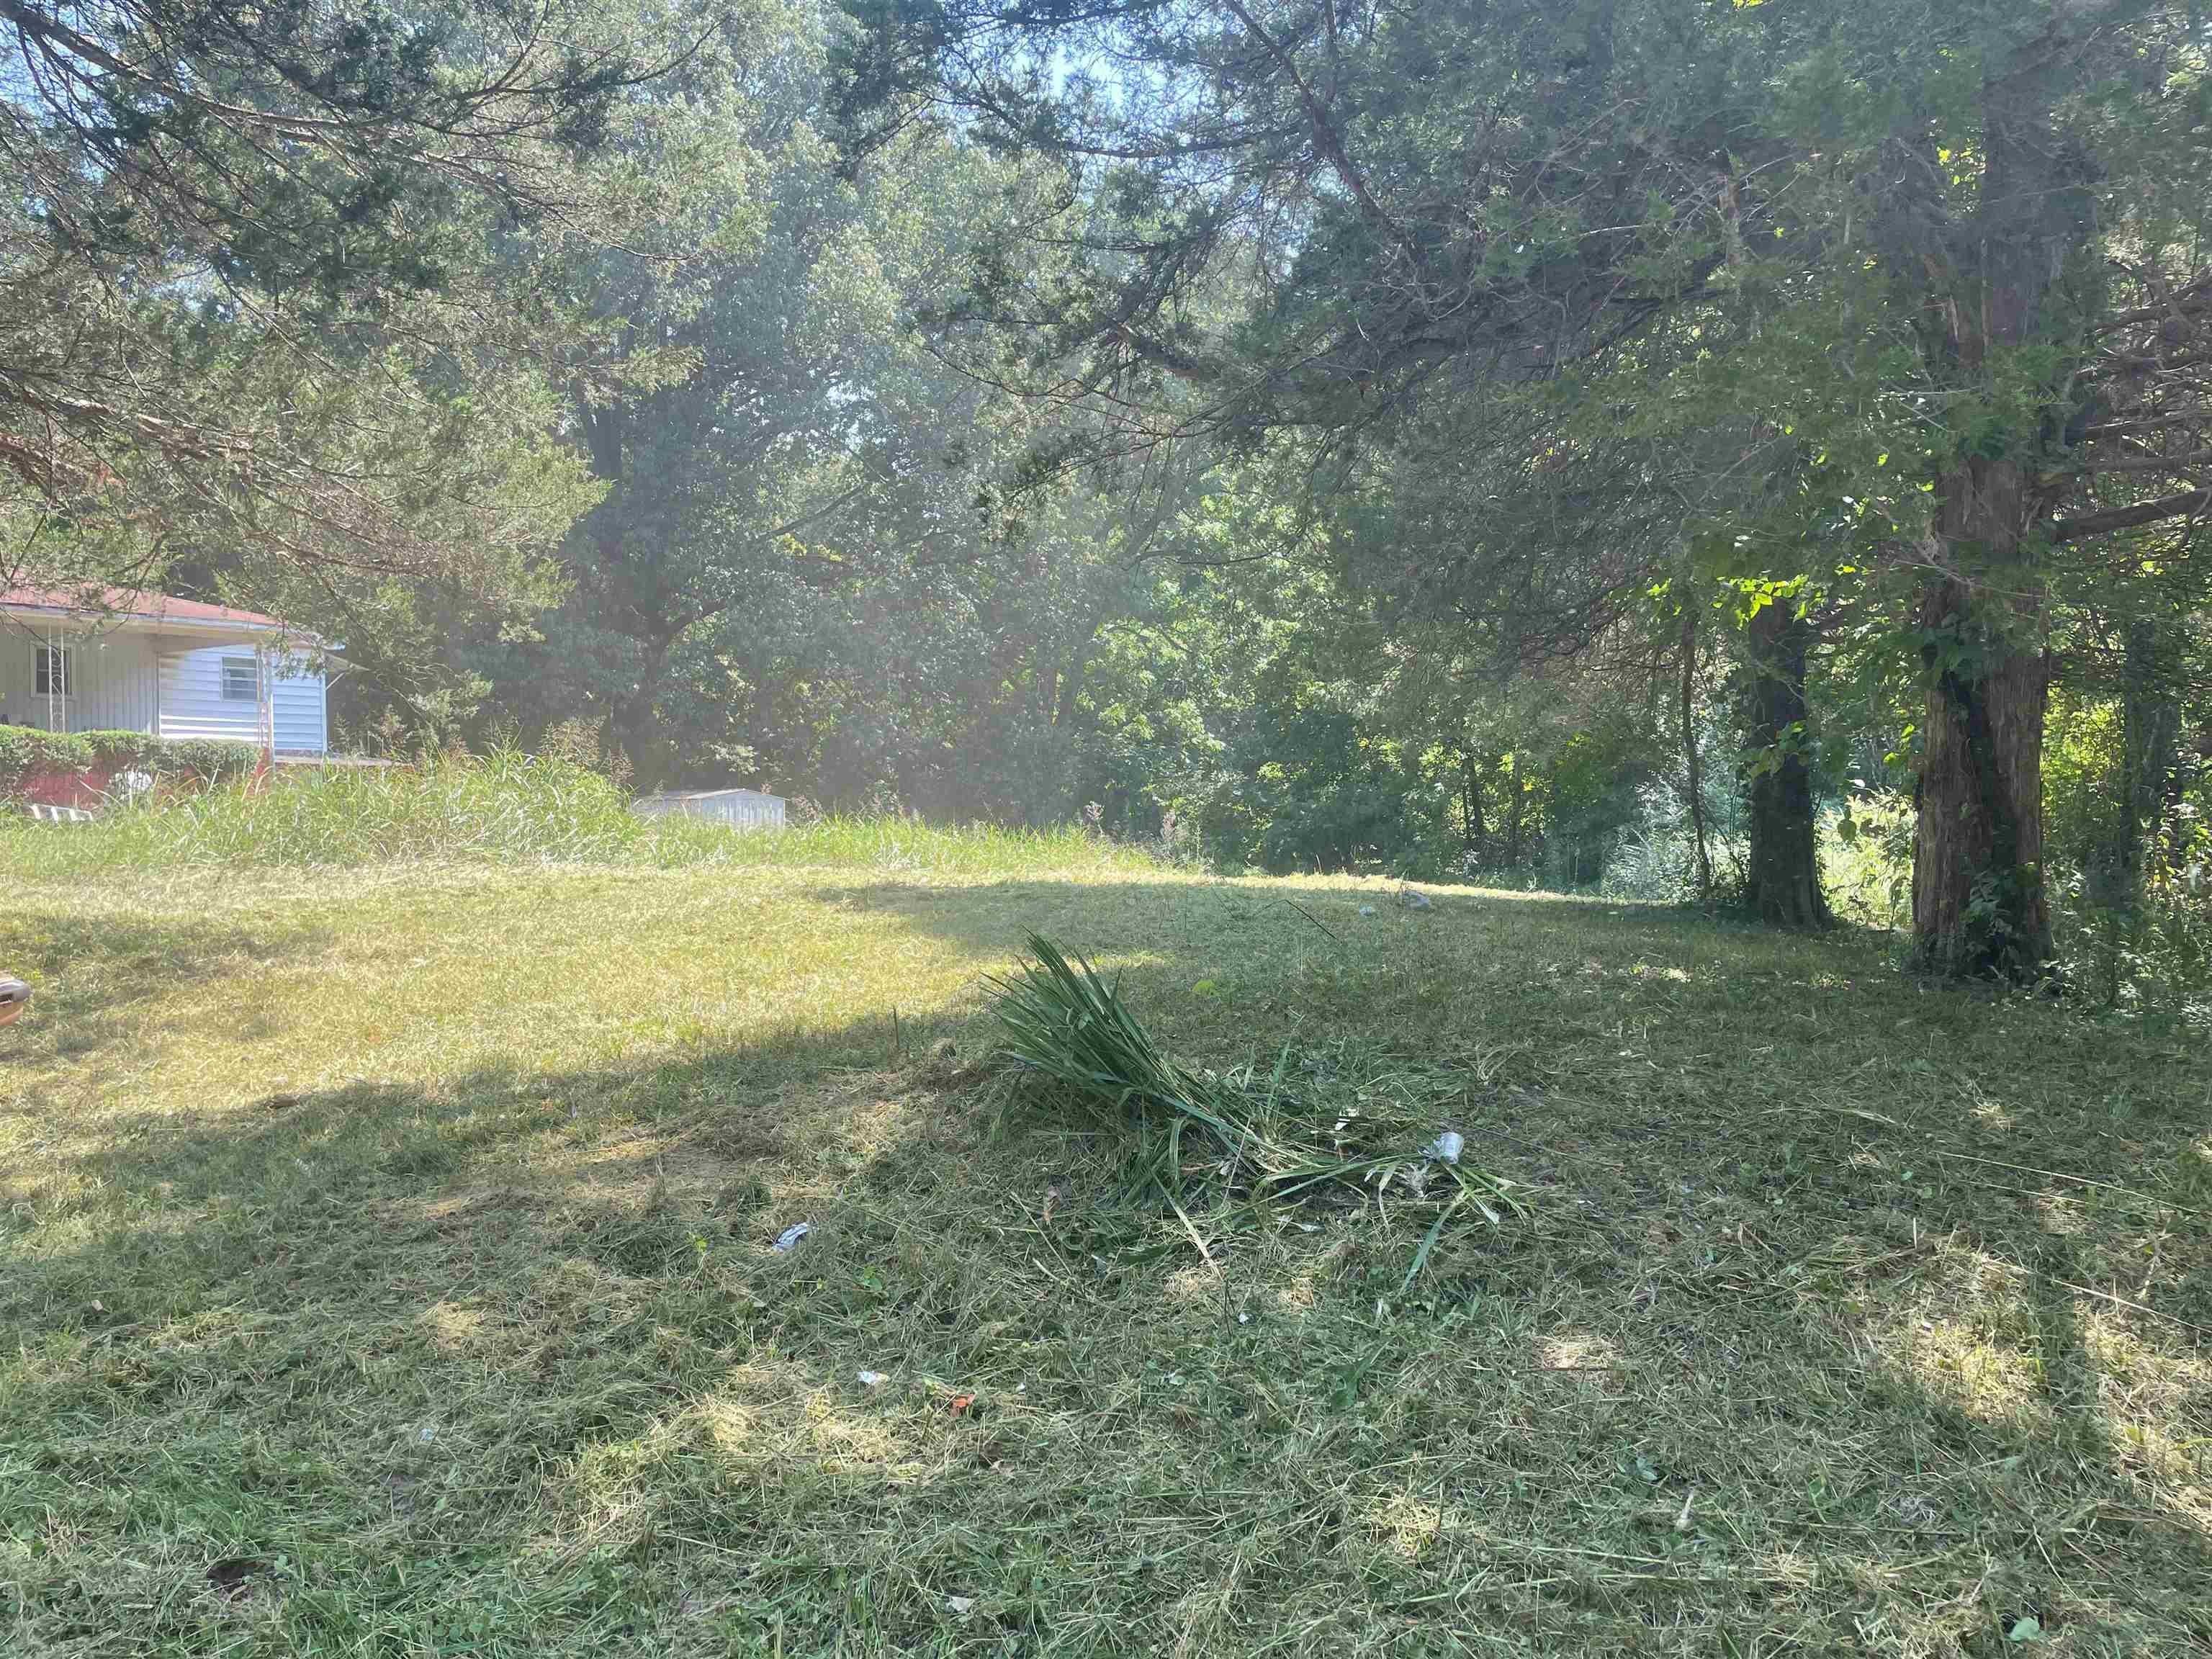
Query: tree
(1450, 199)
(782, 456)
(255, 305)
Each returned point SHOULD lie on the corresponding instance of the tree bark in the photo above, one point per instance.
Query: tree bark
(1782, 883)
(1979, 905)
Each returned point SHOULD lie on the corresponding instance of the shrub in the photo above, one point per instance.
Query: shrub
(26, 754)
(1866, 860)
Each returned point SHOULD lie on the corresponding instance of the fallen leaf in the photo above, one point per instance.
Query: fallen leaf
(961, 1404)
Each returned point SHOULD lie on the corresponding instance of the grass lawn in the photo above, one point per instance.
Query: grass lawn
(386, 1268)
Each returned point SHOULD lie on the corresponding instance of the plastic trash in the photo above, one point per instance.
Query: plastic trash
(874, 1379)
(787, 1240)
(1366, 910)
(1413, 900)
(1446, 1146)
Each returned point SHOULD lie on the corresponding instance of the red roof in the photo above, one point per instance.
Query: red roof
(131, 602)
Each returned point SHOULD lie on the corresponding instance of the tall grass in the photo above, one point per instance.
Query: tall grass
(503, 808)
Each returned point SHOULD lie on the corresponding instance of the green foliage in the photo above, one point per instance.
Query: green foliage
(1557, 386)
(27, 752)
(268, 294)
(2081, 751)
(1866, 856)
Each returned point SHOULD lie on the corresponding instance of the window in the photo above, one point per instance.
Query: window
(241, 680)
(52, 674)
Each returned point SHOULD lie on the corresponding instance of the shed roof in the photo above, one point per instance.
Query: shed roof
(711, 794)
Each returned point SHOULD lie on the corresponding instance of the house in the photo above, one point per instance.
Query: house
(132, 661)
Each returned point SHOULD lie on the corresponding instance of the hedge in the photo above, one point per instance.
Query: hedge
(27, 754)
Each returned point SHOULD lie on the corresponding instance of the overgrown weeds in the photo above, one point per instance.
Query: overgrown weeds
(506, 807)
(1253, 1142)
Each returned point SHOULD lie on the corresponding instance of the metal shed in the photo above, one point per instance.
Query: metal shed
(746, 809)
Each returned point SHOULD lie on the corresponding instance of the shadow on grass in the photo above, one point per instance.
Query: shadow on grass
(90, 981)
(1794, 1354)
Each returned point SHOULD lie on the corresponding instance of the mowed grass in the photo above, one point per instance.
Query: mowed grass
(386, 1268)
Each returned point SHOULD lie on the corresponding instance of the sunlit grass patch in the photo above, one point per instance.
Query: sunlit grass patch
(406, 1229)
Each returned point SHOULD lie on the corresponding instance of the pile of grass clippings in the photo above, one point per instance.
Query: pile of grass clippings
(1243, 1143)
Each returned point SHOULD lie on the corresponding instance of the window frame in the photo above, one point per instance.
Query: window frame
(43, 659)
(253, 666)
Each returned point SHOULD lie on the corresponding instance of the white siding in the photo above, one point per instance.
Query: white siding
(301, 728)
(122, 681)
(193, 706)
(112, 683)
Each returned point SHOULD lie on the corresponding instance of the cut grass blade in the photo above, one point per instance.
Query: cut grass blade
(1065, 1025)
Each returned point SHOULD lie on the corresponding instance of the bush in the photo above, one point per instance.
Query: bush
(27, 754)
(1866, 860)
(2150, 955)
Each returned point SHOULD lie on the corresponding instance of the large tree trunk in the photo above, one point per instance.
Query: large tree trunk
(1979, 905)
(1783, 879)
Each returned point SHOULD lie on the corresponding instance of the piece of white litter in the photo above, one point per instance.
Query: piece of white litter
(1682, 1521)
(872, 1379)
(1447, 1146)
(960, 1606)
(1413, 900)
(787, 1240)
(1366, 910)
